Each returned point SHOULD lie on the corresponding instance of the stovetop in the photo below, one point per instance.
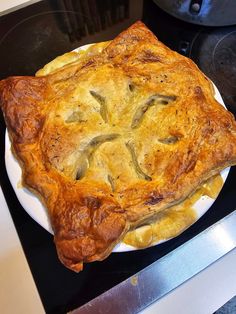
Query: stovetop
(212, 48)
(31, 37)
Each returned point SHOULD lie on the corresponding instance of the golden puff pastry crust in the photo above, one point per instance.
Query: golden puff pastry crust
(111, 139)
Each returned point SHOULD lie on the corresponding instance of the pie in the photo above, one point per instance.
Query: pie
(111, 137)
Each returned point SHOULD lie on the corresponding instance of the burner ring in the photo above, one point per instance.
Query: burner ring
(224, 59)
(214, 51)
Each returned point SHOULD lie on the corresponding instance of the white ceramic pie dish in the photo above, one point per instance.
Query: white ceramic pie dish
(38, 212)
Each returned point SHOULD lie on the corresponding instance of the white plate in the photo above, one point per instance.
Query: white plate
(38, 212)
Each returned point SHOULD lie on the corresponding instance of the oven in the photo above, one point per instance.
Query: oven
(32, 36)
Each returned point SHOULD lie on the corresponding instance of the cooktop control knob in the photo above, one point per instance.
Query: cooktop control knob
(195, 6)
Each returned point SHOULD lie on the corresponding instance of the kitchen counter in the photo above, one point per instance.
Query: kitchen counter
(18, 293)
(7, 6)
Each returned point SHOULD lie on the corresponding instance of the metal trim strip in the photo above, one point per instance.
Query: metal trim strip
(167, 273)
(16, 6)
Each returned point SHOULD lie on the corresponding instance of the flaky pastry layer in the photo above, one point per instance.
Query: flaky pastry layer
(111, 138)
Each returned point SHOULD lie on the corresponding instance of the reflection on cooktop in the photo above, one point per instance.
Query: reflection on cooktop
(50, 28)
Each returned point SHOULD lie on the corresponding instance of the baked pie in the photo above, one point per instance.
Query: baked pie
(112, 137)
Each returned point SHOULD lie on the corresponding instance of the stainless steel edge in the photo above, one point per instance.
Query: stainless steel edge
(164, 275)
(17, 7)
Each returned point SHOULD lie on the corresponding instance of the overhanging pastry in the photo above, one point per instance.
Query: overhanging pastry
(110, 138)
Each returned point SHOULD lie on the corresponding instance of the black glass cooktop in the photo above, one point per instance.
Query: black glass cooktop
(34, 35)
